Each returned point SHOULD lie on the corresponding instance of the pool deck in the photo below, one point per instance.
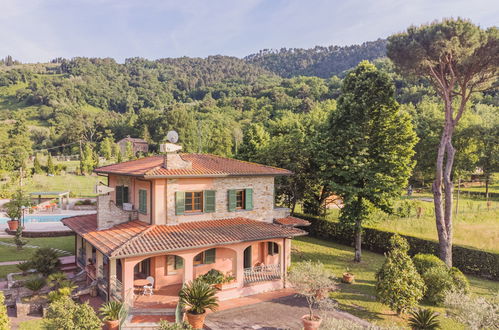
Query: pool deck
(44, 226)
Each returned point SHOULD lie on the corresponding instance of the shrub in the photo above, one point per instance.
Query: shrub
(438, 281)
(65, 314)
(398, 284)
(165, 325)
(112, 311)
(59, 294)
(311, 280)
(213, 276)
(45, 261)
(331, 323)
(424, 262)
(18, 239)
(24, 266)
(4, 318)
(461, 283)
(60, 280)
(475, 312)
(198, 296)
(424, 319)
(35, 284)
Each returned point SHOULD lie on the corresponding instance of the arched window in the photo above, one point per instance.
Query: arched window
(205, 257)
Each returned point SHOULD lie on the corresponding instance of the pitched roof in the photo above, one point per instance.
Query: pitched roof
(202, 165)
(106, 240)
(132, 238)
(134, 140)
(292, 222)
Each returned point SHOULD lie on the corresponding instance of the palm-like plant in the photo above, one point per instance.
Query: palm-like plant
(112, 311)
(35, 284)
(424, 319)
(199, 296)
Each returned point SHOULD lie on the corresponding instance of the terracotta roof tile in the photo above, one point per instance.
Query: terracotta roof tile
(292, 221)
(202, 164)
(106, 240)
(131, 238)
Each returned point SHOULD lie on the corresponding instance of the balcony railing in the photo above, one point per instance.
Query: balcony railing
(262, 273)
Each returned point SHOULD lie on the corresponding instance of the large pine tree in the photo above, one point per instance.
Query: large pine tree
(371, 144)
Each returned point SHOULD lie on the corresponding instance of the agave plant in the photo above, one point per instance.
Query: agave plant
(424, 319)
(112, 311)
(199, 296)
(35, 284)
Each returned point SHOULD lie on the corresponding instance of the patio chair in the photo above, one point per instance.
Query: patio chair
(148, 288)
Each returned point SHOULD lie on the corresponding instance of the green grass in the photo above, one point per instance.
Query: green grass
(4, 270)
(476, 224)
(10, 253)
(78, 185)
(359, 298)
(31, 325)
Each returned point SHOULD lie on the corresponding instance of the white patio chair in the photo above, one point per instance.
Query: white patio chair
(148, 289)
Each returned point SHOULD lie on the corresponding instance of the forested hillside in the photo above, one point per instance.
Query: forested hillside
(221, 105)
(319, 61)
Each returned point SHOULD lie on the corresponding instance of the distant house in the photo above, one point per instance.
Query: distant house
(139, 145)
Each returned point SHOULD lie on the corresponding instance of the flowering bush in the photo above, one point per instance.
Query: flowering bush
(475, 312)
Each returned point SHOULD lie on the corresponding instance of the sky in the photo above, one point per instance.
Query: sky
(40, 30)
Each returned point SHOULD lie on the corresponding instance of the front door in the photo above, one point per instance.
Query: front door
(247, 257)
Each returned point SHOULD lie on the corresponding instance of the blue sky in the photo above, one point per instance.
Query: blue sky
(39, 30)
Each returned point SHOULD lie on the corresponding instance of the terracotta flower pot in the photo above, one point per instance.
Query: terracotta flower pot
(13, 224)
(113, 325)
(309, 324)
(196, 320)
(348, 278)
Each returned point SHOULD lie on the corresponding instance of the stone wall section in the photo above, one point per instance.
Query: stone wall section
(263, 198)
(108, 214)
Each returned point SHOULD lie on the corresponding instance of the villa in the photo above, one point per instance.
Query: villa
(175, 217)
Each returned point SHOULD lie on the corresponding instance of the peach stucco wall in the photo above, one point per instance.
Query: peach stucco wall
(229, 258)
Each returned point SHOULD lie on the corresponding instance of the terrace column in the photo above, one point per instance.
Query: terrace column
(128, 277)
(188, 268)
(99, 264)
(88, 252)
(112, 278)
(240, 267)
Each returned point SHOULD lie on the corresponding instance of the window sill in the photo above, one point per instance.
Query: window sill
(193, 213)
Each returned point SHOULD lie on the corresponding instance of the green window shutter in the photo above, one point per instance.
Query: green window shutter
(119, 195)
(179, 202)
(231, 198)
(209, 201)
(248, 199)
(143, 201)
(179, 262)
(125, 194)
(209, 256)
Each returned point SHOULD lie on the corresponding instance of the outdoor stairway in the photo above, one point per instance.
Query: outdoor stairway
(147, 319)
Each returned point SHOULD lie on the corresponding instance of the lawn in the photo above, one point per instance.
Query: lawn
(359, 298)
(78, 185)
(476, 224)
(10, 253)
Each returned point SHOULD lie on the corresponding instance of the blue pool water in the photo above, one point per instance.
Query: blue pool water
(38, 218)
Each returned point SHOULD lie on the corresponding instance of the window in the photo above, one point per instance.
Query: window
(143, 201)
(121, 195)
(272, 248)
(194, 201)
(206, 257)
(173, 263)
(240, 200)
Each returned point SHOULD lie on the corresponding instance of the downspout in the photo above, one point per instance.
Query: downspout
(284, 262)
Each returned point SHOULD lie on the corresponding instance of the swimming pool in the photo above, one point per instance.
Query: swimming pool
(38, 218)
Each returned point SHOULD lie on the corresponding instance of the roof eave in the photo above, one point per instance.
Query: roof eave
(111, 256)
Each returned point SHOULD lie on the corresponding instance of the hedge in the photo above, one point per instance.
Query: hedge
(468, 260)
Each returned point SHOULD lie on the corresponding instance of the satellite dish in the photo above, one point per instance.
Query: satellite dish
(172, 137)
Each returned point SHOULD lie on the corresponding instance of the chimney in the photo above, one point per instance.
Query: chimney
(172, 160)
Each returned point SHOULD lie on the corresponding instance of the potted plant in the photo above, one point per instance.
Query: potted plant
(227, 282)
(111, 313)
(198, 296)
(348, 277)
(14, 209)
(311, 280)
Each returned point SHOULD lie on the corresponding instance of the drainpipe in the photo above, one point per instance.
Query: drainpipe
(284, 261)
